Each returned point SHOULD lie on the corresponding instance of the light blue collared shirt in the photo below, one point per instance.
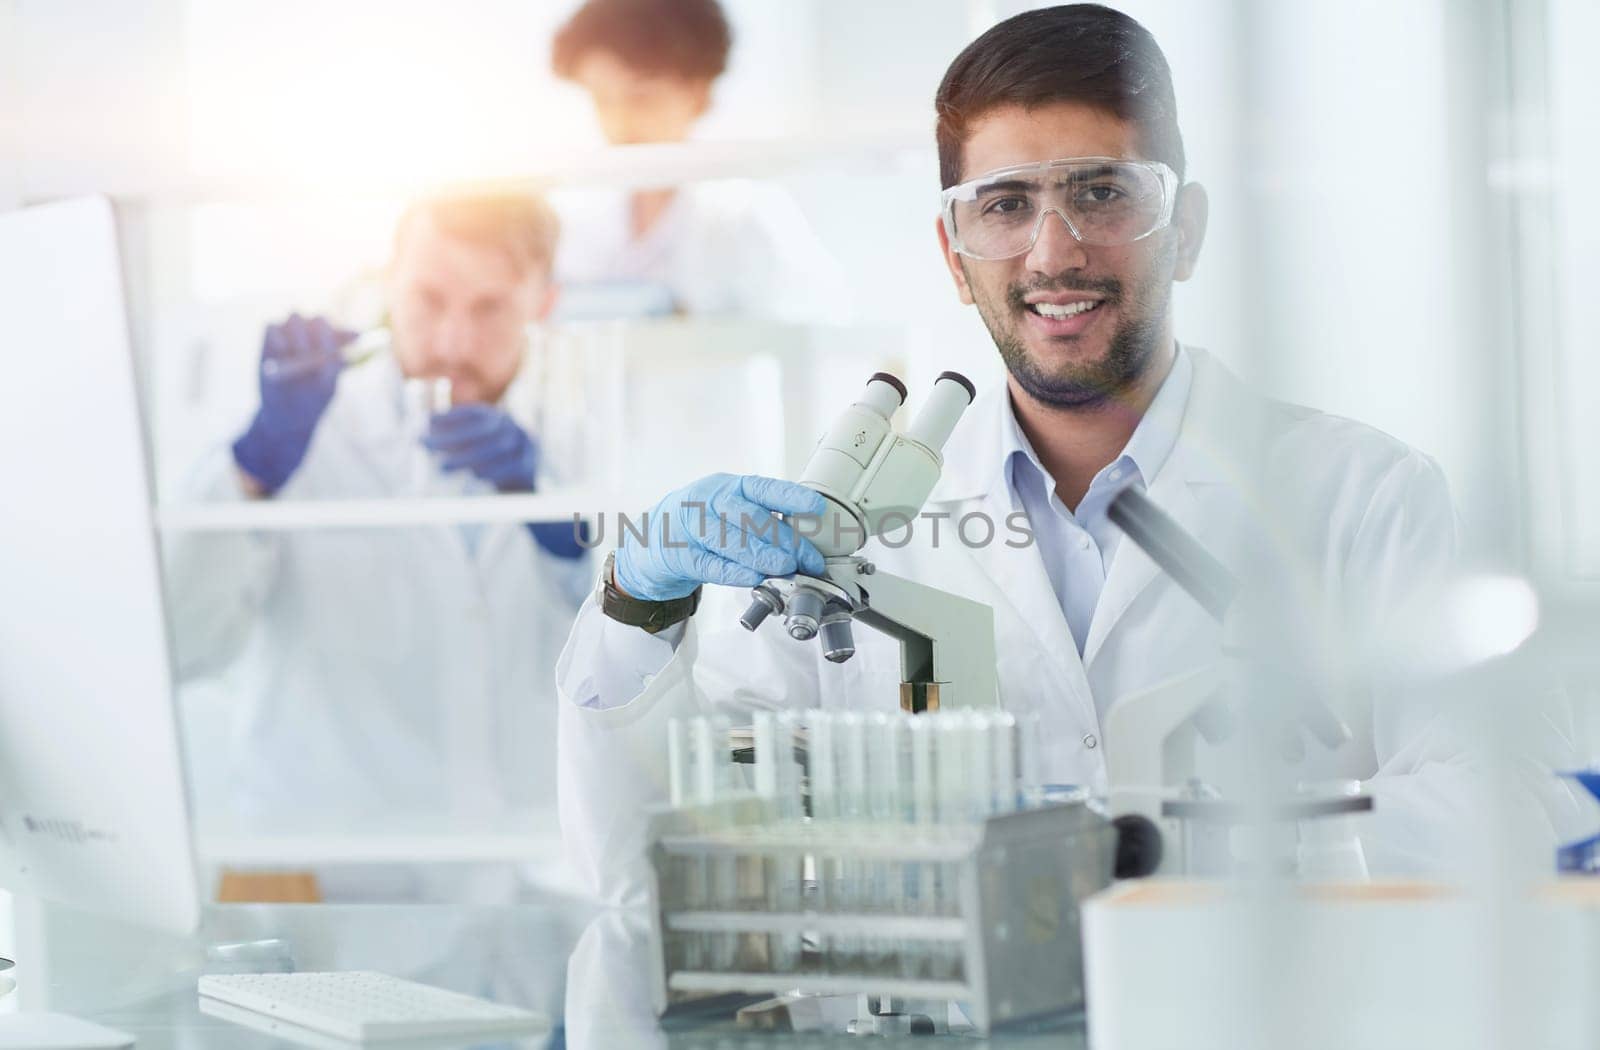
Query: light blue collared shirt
(1077, 547)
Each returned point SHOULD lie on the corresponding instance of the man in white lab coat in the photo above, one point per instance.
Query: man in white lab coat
(1066, 219)
(720, 247)
(393, 677)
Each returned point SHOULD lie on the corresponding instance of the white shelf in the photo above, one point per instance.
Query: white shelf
(619, 167)
(531, 839)
(291, 850)
(273, 516)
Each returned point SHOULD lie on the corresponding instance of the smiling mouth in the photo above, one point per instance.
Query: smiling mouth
(1061, 311)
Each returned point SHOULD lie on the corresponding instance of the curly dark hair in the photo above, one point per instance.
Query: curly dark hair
(685, 38)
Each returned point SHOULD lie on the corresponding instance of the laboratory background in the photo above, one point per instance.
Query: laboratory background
(364, 666)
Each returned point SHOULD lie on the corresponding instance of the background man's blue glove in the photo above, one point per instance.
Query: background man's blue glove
(300, 365)
(488, 442)
(719, 530)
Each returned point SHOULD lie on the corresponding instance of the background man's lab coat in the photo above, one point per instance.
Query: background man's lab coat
(387, 673)
(1365, 520)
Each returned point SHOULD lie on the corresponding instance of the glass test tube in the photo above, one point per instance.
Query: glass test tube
(951, 734)
(788, 879)
(768, 758)
(791, 802)
(952, 752)
(764, 735)
(1030, 760)
(824, 813)
(712, 781)
(764, 745)
(688, 872)
(850, 737)
(885, 738)
(920, 810)
(979, 731)
(422, 399)
(685, 741)
(823, 775)
(884, 734)
(1005, 763)
(725, 869)
(703, 786)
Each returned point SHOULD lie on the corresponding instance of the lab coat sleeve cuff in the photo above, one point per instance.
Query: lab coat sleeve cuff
(607, 665)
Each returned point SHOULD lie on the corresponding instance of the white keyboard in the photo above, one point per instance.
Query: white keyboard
(362, 1005)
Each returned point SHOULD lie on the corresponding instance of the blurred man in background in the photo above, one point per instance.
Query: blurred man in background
(719, 247)
(393, 674)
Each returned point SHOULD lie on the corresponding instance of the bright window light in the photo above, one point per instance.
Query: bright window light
(398, 92)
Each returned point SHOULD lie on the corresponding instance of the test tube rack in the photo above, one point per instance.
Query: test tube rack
(745, 902)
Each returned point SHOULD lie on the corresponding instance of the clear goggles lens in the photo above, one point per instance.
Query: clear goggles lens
(1103, 202)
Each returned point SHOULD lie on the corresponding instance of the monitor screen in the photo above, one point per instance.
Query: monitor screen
(92, 804)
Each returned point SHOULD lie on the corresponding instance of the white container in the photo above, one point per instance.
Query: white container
(1224, 967)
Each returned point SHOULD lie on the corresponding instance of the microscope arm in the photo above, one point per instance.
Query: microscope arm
(1208, 582)
(947, 654)
(1150, 736)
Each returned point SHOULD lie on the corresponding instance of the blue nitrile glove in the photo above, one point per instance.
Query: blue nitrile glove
(486, 441)
(717, 530)
(300, 364)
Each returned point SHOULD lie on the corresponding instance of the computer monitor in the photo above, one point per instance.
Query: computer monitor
(93, 812)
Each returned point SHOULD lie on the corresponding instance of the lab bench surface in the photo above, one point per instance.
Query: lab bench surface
(586, 968)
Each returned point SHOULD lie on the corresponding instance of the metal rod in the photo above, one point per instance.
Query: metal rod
(1174, 551)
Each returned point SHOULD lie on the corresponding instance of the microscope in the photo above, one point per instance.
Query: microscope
(877, 857)
(1165, 811)
(875, 481)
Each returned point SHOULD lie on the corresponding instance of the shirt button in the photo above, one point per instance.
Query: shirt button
(1090, 741)
(1083, 542)
(1116, 475)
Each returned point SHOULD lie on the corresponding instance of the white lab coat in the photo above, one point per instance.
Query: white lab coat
(1366, 518)
(386, 673)
(724, 247)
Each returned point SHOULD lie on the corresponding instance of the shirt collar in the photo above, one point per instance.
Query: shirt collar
(1149, 446)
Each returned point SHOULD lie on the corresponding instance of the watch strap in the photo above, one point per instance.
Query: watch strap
(651, 617)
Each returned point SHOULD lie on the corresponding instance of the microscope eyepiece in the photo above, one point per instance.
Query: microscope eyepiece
(952, 393)
(885, 377)
(972, 391)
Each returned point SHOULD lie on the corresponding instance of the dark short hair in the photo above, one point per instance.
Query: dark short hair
(685, 38)
(521, 226)
(1073, 53)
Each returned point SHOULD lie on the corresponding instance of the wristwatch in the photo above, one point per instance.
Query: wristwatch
(652, 617)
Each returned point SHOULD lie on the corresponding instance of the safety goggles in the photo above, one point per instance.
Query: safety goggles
(1103, 200)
